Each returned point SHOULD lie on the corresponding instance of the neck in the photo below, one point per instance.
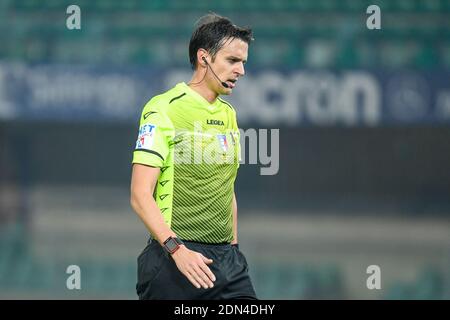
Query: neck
(199, 84)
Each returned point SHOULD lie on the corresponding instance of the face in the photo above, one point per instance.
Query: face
(228, 65)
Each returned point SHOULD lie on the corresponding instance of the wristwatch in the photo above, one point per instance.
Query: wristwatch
(172, 244)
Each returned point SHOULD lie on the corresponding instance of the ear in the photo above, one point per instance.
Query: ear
(201, 54)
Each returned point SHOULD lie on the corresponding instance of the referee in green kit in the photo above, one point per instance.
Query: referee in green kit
(184, 167)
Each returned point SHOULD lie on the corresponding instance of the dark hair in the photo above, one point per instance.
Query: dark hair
(211, 33)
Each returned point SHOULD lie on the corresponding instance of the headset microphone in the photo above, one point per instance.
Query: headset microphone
(221, 82)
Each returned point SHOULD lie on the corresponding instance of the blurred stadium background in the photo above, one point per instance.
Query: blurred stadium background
(364, 118)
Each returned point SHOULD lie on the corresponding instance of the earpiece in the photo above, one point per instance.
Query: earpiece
(224, 84)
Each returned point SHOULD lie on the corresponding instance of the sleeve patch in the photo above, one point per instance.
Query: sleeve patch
(146, 136)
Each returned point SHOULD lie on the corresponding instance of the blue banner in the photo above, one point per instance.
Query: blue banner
(269, 98)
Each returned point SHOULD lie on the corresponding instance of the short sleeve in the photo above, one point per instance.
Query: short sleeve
(154, 137)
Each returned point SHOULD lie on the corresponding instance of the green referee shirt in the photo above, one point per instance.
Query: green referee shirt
(196, 146)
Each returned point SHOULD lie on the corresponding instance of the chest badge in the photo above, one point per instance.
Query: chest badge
(223, 142)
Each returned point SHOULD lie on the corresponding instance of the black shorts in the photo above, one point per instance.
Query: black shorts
(159, 277)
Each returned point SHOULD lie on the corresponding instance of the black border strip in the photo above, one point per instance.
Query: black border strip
(150, 151)
(177, 97)
(226, 103)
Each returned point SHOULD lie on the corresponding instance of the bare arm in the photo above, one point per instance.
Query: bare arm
(234, 206)
(143, 181)
(192, 264)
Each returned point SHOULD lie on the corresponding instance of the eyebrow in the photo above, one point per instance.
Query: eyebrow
(236, 58)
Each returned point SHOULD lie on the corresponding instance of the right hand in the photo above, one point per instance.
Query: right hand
(194, 266)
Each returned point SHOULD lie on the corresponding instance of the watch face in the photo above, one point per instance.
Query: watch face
(171, 245)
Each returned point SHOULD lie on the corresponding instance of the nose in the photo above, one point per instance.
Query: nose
(240, 71)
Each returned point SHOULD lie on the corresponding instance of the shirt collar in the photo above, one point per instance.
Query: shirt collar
(197, 96)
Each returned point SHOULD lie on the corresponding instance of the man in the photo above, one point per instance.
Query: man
(184, 167)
